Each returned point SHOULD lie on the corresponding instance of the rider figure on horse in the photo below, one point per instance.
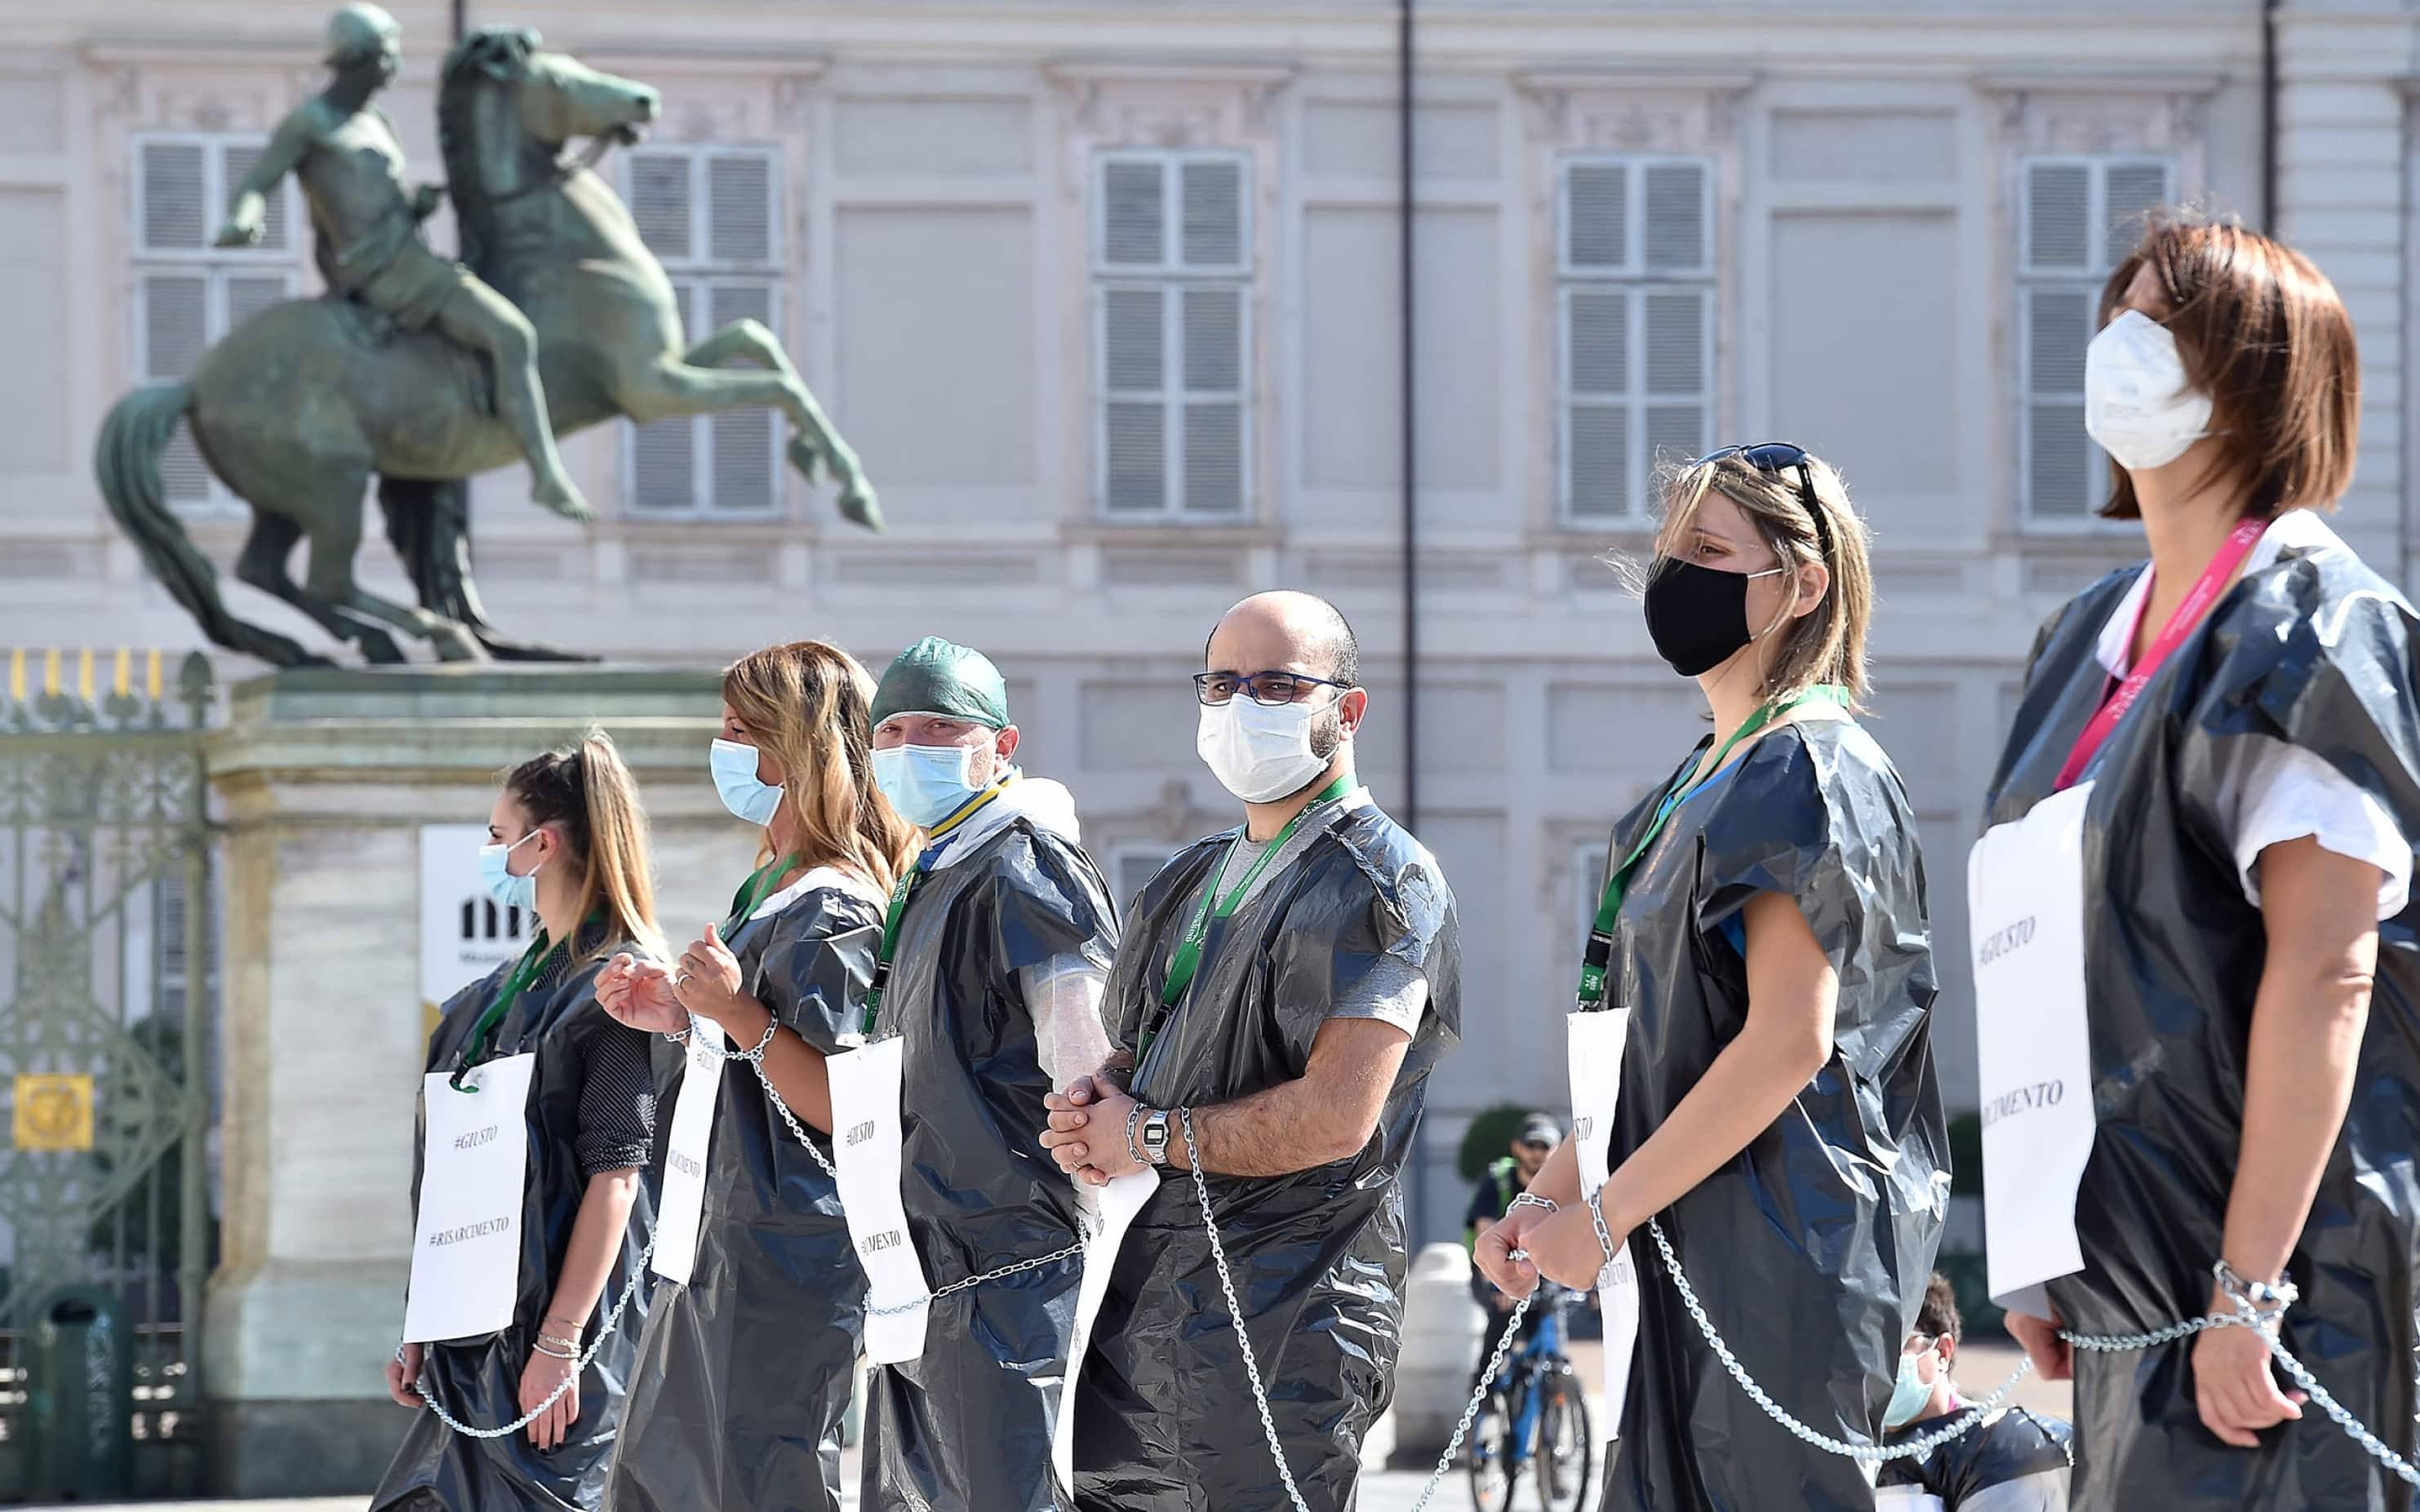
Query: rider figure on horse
(350, 164)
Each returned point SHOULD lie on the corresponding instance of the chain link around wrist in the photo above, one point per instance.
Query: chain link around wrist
(1531, 1200)
(1603, 1235)
(1134, 1151)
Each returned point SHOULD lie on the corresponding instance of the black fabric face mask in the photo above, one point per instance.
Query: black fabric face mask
(1697, 616)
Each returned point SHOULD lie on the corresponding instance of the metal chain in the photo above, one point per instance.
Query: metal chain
(1252, 1367)
(604, 1330)
(962, 1284)
(2244, 1316)
(755, 1058)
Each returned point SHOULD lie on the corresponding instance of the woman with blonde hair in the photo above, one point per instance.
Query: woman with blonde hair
(1758, 989)
(2218, 750)
(745, 1370)
(568, 852)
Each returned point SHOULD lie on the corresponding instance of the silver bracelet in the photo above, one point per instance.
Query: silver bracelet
(541, 1348)
(2258, 1295)
(1531, 1200)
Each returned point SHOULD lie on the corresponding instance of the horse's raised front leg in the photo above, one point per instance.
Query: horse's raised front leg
(816, 441)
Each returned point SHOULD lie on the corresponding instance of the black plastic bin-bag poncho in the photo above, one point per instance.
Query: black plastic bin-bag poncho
(744, 1374)
(2315, 650)
(1165, 1419)
(478, 1380)
(966, 1426)
(2019, 1461)
(1811, 1247)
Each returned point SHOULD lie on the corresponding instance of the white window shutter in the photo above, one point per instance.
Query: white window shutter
(176, 332)
(1213, 327)
(1134, 221)
(1212, 213)
(2134, 191)
(1596, 216)
(1134, 421)
(174, 188)
(1133, 346)
(1674, 198)
(2058, 217)
(239, 159)
(1133, 445)
(663, 452)
(739, 208)
(1598, 338)
(661, 202)
(1599, 461)
(2060, 457)
(742, 456)
(1674, 359)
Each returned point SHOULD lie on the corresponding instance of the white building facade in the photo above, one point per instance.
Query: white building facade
(1110, 298)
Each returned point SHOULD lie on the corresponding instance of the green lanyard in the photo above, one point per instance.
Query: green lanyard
(524, 971)
(898, 910)
(1187, 960)
(1617, 882)
(752, 892)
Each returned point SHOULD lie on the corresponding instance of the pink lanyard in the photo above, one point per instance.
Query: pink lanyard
(2239, 544)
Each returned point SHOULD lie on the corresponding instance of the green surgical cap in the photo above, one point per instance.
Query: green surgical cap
(937, 677)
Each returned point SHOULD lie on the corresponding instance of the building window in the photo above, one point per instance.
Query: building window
(2078, 217)
(1173, 272)
(712, 217)
(1588, 857)
(189, 294)
(1635, 259)
(1131, 867)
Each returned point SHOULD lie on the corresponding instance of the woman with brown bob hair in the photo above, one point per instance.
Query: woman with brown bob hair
(1758, 989)
(744, 1373)
(566, 854)
(2216, 753)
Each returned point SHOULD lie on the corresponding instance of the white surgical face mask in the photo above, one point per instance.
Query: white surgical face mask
(735, 778)
(507, 889)
(927, 784)
(1260, 753)
(2136, 403)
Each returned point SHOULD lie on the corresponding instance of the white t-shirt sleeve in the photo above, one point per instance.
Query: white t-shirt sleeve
(2273, 791)
(1064, 993)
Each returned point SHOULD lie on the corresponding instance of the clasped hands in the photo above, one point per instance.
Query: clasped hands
(1087, 1134)
(705, 982)
(1561, 1246)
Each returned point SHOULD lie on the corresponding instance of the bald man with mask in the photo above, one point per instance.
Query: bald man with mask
(1285, 987)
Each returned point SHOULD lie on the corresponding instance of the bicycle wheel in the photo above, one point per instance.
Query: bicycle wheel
(1566, 1443)
(1488, 1454)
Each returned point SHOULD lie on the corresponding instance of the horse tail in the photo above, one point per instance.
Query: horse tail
(127, 462)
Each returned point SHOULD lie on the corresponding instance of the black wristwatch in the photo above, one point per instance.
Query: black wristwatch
(1153, 1137)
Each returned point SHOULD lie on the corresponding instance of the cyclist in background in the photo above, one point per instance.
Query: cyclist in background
(1505, 1177)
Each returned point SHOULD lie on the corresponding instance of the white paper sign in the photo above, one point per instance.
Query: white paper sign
(1107, 1212)
(466, 1244)
(2024, 894)
(463, 934)
(865, 1152)
(1595, 1044)
(1910, 1499)
(684, 1154)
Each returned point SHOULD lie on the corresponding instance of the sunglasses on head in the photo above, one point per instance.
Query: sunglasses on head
(1778, 457)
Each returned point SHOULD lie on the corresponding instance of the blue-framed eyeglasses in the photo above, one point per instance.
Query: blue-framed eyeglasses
(1268, 689)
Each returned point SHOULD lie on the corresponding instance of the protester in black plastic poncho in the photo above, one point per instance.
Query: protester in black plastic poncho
(568, 851)
(745, 1370)
(1286, 987)
(999, 941)
(2249, 971)
(1765, 927)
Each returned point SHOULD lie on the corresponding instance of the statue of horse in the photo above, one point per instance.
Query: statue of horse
(299, 407)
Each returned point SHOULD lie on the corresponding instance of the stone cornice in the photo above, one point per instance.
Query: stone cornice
(1631, 79)
(2178, 82)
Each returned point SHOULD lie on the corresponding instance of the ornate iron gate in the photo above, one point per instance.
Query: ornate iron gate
(108, 999)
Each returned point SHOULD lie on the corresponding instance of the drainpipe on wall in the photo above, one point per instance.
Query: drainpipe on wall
(1411, 804)
(461, 19)
(2269, 90)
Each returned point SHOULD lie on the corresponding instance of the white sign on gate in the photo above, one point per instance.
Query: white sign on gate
(463, 934)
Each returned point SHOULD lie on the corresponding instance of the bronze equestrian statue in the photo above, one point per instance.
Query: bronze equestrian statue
(423, 372)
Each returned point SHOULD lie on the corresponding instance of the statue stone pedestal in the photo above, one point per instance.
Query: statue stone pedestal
(326, 777)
